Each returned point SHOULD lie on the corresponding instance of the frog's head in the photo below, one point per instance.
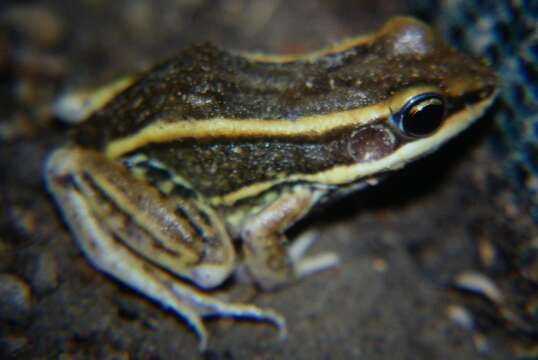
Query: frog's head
(417, 93)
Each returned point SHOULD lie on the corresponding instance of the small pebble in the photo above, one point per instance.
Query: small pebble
(15, 298)
(45, 275)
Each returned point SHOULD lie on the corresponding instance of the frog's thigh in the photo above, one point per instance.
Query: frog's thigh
(269, 258)
(75, 177)
(177, 234)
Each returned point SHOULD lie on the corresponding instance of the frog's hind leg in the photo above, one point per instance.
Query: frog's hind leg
(88, 189)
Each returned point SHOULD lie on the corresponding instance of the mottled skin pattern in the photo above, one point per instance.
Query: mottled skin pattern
(204, 82)
(247, 161)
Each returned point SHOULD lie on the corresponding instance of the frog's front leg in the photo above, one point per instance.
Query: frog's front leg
(131, 231)
(268, 255)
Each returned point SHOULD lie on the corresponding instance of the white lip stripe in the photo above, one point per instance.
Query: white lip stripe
(349, 173)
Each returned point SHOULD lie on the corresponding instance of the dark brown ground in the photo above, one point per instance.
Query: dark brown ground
(401, 243)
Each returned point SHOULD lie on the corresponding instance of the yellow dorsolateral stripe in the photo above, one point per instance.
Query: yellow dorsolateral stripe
(340, 47)
(309, 126)
(349, 173)
(77, 106)
(310, 56)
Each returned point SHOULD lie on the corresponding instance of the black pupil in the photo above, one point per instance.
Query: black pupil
(424, 117)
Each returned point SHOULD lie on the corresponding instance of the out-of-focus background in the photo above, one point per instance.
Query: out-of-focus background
(405, 244)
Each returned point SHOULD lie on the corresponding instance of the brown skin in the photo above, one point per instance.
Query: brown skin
(204, 82)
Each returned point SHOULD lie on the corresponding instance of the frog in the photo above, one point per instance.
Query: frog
(194, 170)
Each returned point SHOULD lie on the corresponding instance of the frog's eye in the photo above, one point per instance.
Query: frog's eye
(421, 115)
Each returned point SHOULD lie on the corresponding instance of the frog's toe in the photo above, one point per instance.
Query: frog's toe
(202, 305)
(304, 266)
(316, 263)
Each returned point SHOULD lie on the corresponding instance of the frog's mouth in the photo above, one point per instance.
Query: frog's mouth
(362, 171)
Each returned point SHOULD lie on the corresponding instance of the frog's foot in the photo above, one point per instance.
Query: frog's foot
(203, 305)
(185, 300)
(304, 266)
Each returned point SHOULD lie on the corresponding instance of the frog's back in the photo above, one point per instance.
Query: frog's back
(204, 83)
